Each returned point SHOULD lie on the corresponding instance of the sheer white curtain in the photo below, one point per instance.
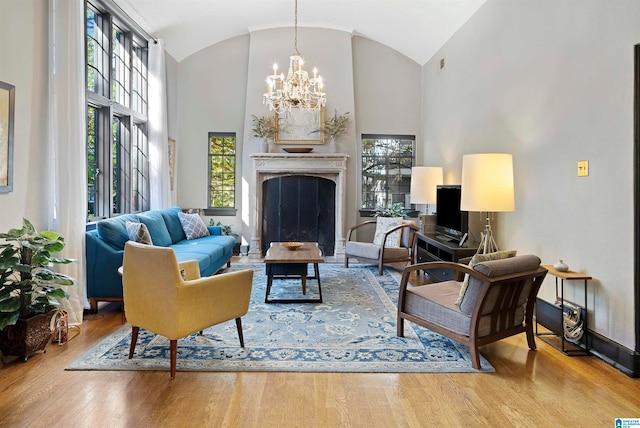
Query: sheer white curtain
(67, 205)
(158, 134)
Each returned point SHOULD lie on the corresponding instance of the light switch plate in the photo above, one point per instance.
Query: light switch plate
(583, 168)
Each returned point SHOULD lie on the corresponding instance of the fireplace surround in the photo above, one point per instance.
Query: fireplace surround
(332, 166)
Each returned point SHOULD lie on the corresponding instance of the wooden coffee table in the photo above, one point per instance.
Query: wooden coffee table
(283, 263)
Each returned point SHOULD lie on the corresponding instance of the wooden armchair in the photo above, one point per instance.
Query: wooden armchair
(382, 253)
(498, 301)
(158, 298)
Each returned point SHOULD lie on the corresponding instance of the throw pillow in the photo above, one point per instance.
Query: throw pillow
(138, 232)
(382, 225)
(193, 225)
(479, 258)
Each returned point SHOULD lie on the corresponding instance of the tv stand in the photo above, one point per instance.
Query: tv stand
(445, 238)
(430, 248)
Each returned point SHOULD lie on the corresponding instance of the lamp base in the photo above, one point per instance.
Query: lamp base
(487, 243)
(427, 223)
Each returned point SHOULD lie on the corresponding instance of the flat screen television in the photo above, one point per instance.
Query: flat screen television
(450, 220)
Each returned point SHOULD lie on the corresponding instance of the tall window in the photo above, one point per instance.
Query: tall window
(117, 105)
(386, 170)
(222, 173)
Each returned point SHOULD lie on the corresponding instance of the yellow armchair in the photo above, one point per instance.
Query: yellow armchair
(158, 299)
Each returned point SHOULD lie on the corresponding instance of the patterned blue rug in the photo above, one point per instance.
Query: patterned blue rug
(353, 330)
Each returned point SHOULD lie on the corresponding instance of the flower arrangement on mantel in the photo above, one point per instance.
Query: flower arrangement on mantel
(263, 127)
(335, 127)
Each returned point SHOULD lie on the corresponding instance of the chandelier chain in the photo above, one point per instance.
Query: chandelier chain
(295, 31)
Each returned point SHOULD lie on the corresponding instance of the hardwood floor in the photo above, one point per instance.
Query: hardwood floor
(541, 388)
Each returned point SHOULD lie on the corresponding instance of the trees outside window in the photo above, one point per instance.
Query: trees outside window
(222, 174)
(386, 170)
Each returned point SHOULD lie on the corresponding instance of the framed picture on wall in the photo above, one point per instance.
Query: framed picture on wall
(7, 113)
(300, 126)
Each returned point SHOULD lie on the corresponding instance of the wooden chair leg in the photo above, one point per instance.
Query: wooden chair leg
(475, 356)
(400, 328)
(531, 338)
(380, 267)
(240, 336)
(173, 349)
(346, 261)
(134, 339)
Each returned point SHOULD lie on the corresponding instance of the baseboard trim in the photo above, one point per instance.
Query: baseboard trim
(614, 354)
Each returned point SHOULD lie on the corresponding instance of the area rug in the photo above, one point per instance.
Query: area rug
(353, 330)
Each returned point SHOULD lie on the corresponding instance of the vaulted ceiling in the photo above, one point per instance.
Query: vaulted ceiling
(416, 28)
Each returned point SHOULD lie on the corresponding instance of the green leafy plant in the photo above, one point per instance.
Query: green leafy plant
(395, 210)
(263, 126)
(337, 125)
(28, 286)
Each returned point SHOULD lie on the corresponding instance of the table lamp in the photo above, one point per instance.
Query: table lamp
(487, 186)
(424, 180)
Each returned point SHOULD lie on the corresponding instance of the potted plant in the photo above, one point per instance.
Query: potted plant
(29, 289)
(396, 210)
(335, 127)
(263, 127)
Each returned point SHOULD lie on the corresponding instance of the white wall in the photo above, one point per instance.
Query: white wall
(211, 91)
(552, 83)
(171, 66)
(24, 63)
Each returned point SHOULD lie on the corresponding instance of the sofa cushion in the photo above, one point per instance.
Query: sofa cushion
(367, 250)
(205, 250)
(171, 219)
(382, 225)
(479, 258)
(157, 227)
(436, 303)
(496, 268)
(113, 231)
(507, 267)
(138, 232)
(193, 225)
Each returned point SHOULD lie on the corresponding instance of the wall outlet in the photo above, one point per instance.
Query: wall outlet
(583, 168)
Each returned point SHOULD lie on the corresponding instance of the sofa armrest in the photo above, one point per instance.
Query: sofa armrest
(358, 226)
(103, 261)
(215, 230)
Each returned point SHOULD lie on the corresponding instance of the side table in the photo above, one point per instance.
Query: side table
(578, 349)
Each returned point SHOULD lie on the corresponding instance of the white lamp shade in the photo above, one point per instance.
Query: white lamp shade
(487, 182)
(424, 180)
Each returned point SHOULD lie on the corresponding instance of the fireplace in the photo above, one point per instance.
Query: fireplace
(312, 169)
(299, 208)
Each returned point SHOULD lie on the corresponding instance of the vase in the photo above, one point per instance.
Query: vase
(27, 336)
(332, 145)
(561, 266)
(265, 146)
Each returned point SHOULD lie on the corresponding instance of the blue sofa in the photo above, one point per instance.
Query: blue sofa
(105, 249)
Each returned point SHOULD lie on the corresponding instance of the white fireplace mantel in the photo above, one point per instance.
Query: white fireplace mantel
(332, 166)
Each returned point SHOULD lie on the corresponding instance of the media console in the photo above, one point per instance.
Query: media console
(429, 248)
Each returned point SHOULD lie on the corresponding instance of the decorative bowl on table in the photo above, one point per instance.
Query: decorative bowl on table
(298, 149)
(292, 245)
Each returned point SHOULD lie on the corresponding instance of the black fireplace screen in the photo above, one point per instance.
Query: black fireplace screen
(299, 208)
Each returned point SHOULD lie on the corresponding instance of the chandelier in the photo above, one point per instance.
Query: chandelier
(296, 90)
